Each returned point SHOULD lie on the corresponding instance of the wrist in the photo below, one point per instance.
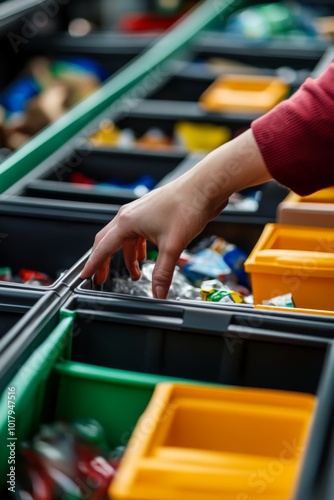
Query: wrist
(230, 168)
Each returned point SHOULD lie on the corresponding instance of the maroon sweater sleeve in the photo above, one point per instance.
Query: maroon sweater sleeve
(296, 138)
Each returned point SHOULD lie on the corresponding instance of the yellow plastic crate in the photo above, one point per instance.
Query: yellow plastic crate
(211, 443)
(296, 259)
(243, 94)
(294, 310)
(316, 209)
(201, 137)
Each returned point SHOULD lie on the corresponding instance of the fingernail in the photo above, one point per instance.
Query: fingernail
(137, 274)
(159, 292)
(96, 281)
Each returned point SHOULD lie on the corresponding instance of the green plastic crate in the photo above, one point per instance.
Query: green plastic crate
(115, 398)
(30, 385)
(49, 387)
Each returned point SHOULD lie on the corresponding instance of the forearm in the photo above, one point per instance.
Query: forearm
(226, 170)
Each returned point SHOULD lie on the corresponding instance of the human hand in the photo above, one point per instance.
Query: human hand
(171, 216)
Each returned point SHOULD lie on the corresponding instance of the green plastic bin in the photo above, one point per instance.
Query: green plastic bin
(49, 387)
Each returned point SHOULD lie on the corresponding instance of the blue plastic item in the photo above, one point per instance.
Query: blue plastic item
(142, 185)
(84, 64)
(17, 95)
(235, 258)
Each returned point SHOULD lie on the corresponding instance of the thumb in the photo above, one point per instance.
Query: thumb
(163, 272)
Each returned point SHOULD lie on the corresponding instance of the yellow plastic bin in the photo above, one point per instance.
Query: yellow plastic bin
(295, 259)
(201, 137)
(316, 209)
(211, 443)
(294, 310)
(244, 94)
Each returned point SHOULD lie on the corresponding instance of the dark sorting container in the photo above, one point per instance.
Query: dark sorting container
(14, 305)
(237, 348)
(48, 241)
(216, 54)
(49, 181)
(121, 168)
(141, 116)
(44, 75)
(20, 311)
(50, 184)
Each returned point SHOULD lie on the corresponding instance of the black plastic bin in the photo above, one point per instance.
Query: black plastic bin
(226, 347)
(110, 51)
(13, 306)
(52, 180)
(50, 241)
(20, 311)
(25, 44)
(164, 115)
(276, 58)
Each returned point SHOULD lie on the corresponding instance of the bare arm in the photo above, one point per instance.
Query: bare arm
(171, 216)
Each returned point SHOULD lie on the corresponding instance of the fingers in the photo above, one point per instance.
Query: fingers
(102, 272)
(130, 251)
(163, 271)
(106, 244)
(141, 248)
